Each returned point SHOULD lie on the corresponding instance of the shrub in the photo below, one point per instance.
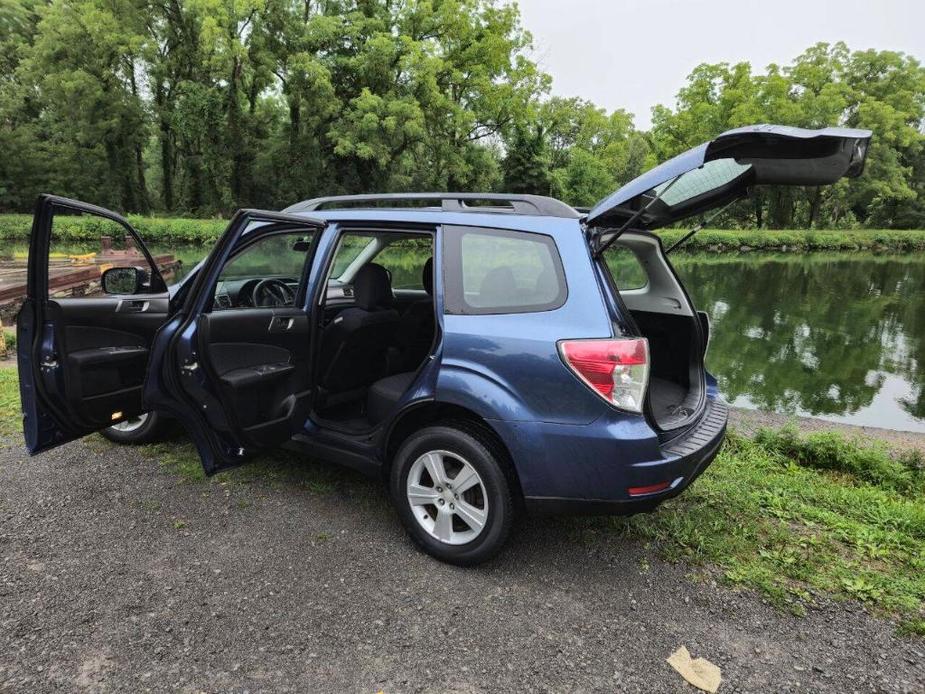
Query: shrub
(830, 450)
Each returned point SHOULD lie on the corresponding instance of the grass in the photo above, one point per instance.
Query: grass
(794, 517)
(169, 230)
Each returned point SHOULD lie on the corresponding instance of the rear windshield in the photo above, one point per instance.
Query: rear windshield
(712, 175)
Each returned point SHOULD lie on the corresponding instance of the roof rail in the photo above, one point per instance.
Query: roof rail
(449, 202)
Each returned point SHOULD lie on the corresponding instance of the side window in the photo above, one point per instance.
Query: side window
(502, 271)
(279, 258)
(625, 268)
(112, 263)
(349, 248)
(404, 258)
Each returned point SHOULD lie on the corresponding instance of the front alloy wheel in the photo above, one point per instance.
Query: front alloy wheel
(452, 493)
(143, 428)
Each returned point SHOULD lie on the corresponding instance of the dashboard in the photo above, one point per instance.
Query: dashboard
(240, 293)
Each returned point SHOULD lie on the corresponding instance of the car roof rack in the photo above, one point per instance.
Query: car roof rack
(448, 202)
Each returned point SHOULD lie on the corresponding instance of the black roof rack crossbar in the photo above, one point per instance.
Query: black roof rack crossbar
(449, 202)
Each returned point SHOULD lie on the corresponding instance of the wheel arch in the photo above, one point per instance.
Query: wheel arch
(423, 414)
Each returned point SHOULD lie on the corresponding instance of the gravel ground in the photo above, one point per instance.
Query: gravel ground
(116, 575)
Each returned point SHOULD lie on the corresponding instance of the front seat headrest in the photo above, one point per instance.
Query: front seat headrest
(427, 276)
(372, 287)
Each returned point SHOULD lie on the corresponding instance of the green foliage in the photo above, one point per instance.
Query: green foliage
(200, 107)
(827, 85)
(790, 531)
(799, 239)
(87, 229)
(526, 166)
(831, 451)
(10, 410)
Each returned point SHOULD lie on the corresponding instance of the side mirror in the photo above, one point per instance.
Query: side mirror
(123, 280)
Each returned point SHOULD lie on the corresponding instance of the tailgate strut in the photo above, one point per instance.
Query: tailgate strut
(632, 220)
(694, 230)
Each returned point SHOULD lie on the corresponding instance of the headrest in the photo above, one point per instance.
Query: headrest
(372, 288)
(427, 276)
(497, 286)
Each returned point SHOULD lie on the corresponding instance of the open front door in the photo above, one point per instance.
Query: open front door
(233, 365)
(86, 326)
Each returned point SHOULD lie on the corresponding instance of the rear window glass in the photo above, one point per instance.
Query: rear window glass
(712, 175)
(625, 268)
(502, 272)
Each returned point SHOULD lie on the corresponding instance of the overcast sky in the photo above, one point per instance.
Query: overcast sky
(634, 54)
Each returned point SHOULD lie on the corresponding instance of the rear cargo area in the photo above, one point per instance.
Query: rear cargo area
(674, 380)
(663, 314)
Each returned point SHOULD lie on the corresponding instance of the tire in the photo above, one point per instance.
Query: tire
(145, 428)
(460, 451)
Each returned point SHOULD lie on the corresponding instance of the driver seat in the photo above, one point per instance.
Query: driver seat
(355, 343)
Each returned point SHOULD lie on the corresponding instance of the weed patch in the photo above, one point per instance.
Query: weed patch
(798, 519)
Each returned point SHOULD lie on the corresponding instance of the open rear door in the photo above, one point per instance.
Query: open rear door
(234, 364)
(86, 326)
(722, 170)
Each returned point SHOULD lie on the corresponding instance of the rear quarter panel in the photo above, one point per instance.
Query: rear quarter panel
(507, 366)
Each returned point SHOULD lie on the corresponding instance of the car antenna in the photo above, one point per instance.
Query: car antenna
(629, 222)
(694, 230)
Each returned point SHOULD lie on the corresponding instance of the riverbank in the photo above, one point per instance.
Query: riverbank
(15, 228)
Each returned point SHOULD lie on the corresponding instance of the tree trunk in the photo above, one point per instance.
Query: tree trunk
(235, 136)
(814, 204)
(295, 125)
(142, 202)
(165, 135)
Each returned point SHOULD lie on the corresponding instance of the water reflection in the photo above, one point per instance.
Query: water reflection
(832, 335)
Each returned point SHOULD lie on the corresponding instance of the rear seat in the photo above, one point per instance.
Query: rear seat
(384, 393)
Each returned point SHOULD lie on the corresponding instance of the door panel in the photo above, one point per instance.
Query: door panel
(239, 378)
(82, 360)
(262, 371)
(106, 354)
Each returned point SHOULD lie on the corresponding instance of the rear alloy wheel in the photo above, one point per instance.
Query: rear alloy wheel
(145, 428)
(452, 494)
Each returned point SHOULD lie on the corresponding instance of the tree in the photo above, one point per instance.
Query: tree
(526, 166)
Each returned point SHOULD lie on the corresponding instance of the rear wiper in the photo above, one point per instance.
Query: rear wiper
(632, 220)
(697, 228)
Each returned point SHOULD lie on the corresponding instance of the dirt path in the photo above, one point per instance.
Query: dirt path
(116, 575)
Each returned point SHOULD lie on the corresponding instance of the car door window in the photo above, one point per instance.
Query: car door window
(75, 268)
(278, 257)
(404, 258)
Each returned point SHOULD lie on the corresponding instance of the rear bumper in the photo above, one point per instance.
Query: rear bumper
(683, 460)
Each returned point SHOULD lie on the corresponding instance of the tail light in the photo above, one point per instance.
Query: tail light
(616, 369)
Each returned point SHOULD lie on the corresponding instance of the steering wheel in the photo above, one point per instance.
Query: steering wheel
(273, 292)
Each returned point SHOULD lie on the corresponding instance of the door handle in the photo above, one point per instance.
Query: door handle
(133, 306)
(281, 324)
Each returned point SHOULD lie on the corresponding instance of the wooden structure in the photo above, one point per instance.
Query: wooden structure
(75, 275)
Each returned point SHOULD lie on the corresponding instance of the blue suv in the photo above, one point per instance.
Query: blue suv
(483, 354)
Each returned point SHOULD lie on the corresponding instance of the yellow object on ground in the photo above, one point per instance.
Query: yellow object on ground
(700, 672)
